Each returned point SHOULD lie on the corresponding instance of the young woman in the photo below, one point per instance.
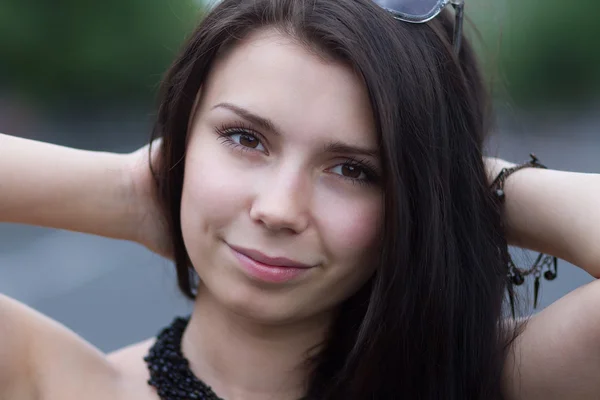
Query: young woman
(321, 187)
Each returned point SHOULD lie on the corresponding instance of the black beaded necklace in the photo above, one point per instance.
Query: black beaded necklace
(170, 371)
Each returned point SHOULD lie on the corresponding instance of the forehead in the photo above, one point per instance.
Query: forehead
(275, 77)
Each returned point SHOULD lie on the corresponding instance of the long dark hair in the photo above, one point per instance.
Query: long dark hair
(428, 324)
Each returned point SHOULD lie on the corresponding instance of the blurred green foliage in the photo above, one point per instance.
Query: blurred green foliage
(90, 50)
(536, 51)
(541, 52)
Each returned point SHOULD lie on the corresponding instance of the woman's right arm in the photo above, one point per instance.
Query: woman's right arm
(47, 185)
(53, 186)
(38, 356)
(59, 187)
(16, 377)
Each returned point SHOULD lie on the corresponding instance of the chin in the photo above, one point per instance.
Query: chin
(264, 316)
(264, 307)
(261, 305)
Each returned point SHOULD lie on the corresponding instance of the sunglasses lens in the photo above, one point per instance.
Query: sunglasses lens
(415, 8)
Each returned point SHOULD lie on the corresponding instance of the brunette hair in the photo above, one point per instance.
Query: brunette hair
(427, 324)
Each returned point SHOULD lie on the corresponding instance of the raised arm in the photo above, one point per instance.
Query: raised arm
(59, 187)
(554, 212)
(104, 194)
(557, 356)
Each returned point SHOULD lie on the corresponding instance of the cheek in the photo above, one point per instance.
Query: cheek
(211, 193)
(351, 227)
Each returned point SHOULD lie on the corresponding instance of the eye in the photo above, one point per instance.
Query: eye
(240, 138)
(347, 170)
(247, 139)
(356, 172)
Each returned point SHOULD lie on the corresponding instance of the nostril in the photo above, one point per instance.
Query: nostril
(279, 218)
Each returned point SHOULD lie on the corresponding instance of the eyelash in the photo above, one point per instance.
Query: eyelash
(225, 132)
(367, 167)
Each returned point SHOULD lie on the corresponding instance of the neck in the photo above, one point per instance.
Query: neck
(242, 359)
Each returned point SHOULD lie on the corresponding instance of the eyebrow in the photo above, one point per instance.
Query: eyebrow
(265, 123)
(261, 122)
(340, 147)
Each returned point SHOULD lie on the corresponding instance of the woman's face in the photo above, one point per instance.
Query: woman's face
(281, 206)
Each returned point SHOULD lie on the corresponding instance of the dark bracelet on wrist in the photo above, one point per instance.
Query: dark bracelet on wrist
(516, 276)
(498, 183)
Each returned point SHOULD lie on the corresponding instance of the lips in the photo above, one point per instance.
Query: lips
(270, 270)
(270, 261)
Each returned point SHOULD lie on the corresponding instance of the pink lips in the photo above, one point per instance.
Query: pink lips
(269, 269)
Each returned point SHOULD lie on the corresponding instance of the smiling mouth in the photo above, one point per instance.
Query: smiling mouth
(259, 257)
(274, 270)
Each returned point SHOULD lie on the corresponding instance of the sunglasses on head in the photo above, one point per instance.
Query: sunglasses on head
(420, 11)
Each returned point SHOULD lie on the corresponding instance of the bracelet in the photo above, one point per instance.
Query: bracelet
(516, 275)
(498, 184)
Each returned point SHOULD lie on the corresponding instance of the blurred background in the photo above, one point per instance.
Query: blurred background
(85, 74)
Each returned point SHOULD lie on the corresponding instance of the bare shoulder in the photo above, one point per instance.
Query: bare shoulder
(558, 354)
(130, 364)
(40, 358)
(15, 334)
(129, 361)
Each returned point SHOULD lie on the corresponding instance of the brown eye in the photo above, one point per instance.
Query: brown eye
(355, 172)
(351, 171)
(249, 141)
(246, 140)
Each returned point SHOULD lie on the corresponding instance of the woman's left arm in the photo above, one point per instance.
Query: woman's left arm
(553, 212)
(557, 356)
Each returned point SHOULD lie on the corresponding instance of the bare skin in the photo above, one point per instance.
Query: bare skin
(558, 355)
(566, 350)
(65, 366)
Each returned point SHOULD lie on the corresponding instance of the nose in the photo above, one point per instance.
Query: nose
(281, 203)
